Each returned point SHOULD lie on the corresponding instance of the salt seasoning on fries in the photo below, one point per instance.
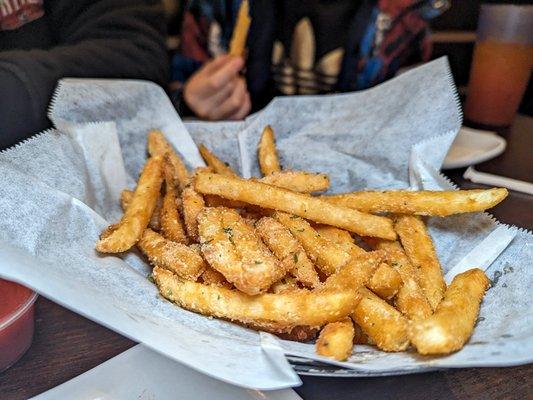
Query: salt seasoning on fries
(137, 216)
(269, 256)
(267, 154)
(450, 327)
(240, 30)
(421, 252)
(305, 206)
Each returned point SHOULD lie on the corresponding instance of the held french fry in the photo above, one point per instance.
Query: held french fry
(301, 307)
(298, 181)
(381, 322)
(450, 327)
(137, 216)
(240, 30)
(159, 146)
(421, 253)
(410, 300)
(232, 247)
(305, 206)
(219, 166)
(155, 220)
(328, 256)
(287, 249)
(336, 340)
(176, 257)
(192, 205)
(171, 225)
(267, 153)
(385, 282)
(425, 202)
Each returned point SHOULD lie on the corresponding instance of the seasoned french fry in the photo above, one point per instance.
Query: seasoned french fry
(327, 255)
(341, 237)
(137, 216)
(383, 324)
(450, 327)
(155, 219)
(424, 202)
(286, 248)
(211, 276)
(192, 204)
(299, 204)
(267, 153)
(159, 146)
(240, 30)
(217, 201)
(385, 282)
(171, 225)
(301, 307)
(286, 284)
(410, 300)
(233, 248)
(336, 340)
(359, 336)
(421, 252)
(176, 257)
(298, 181)
(356, 273)
(219, 166)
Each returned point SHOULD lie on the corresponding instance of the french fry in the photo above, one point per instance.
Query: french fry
(298, 181)
(421, 252)
(328, 256)
(452, 324)
(192, 204)
(155, 220)
(410, 300)
(176, 257)
(219, 166)
(240, 30)
(286, 284)
(137, 216)
(267, 153)
(302, 307)
(385, 282)
(336, 340)
(233, 248)
(356, 273)
(211, 276)
(159, 146)
(424, 202)
(298, 333)
(171, 225)
(381, 322)
(305, 206)
(359, 336)
(341, 237)
(287, 249)
(217, 201)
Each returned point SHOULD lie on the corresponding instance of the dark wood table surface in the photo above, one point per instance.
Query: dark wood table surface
(67, 344)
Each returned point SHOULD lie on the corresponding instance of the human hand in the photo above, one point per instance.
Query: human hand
(217, 91)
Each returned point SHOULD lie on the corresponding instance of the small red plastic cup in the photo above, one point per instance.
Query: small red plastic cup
(16, 322)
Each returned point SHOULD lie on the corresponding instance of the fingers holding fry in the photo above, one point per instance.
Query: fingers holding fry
(450, 327)
(267, 153)
(137, 216)
(336, 340)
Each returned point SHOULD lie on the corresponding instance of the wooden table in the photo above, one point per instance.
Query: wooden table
(67, 344)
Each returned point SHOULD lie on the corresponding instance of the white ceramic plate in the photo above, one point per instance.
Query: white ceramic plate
(142, 374)
(472, 146)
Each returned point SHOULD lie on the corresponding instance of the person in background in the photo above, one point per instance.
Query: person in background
(294, 47)
(42, 41)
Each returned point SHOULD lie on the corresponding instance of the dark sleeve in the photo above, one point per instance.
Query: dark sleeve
(104, 38)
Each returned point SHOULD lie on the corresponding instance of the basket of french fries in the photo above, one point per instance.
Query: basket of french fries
(276, 254)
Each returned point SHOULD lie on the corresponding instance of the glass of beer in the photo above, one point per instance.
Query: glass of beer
(501, 65)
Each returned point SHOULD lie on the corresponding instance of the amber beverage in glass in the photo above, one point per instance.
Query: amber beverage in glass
(501, 65)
